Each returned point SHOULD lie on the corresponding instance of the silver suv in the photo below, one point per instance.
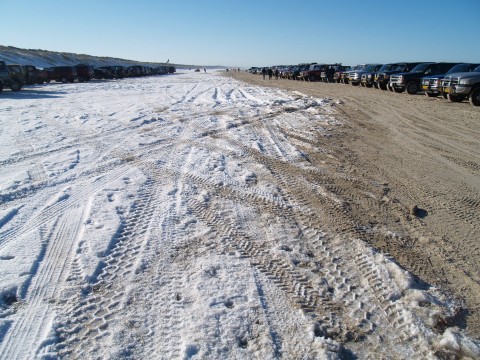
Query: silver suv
(459, 86)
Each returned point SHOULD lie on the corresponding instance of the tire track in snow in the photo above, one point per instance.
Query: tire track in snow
(32, 323)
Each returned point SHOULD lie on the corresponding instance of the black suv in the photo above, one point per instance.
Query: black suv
(382, 77)
(11, 76)
(34, 75)
(84, 72)
(62, 74)
(411, 81)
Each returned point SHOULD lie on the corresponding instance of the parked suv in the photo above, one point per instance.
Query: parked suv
(410, 81)
(459, 86)
(431, 85)
(34, 75)
(84, 72)
(382, 78)
(355, 76)
(312, 73)
(62, 74)
(11, 76)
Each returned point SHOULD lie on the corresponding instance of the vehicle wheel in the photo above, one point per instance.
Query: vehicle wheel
(430, 94)
(475, 97)
(412, 88)
(362, 84)
(397, 90)
(455, 98)
(375, 85)
(381, 86)
(16, 86)
(1, 88)
(40, 82)
(369, 85)
(47, 81)
(311, 78)
(63, 80)
(81, 79)
(389, 87)
(444, 95)
(71, 80)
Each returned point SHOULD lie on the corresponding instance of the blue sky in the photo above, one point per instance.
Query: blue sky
(248, 33)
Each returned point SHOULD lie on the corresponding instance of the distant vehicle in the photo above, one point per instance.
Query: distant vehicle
(62, 74)
(312, 73)
(431, 85)
(411, 81)
(84, 72)
(197, 70)
(459, 86)
(355, 76)
(34, 75)
(11, 76)
(382, 78)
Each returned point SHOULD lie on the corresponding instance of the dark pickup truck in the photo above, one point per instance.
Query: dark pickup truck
(84, 72)
(382, 78)
(431, 85)
(11, 76)
(411, 81)
(62, 74)
(34, 75)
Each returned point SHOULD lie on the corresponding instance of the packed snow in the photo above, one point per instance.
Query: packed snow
(170, 218)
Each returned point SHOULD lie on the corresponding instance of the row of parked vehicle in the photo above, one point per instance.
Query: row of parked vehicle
(453, 81)
(16, 76)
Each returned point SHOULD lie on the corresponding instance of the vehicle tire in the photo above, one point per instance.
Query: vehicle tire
(375, 85)
(16, 86)
(71, 80)
(63, 80)
(81, 79)
(475, 97)
(455, 98)
(362, 84)
(412, 87)
(430, 94)
(389, 87)
(382, 87)
(47, 81)
(397, 90)
(1, 88)
(444, 96)
(368, 85)
(311, 78)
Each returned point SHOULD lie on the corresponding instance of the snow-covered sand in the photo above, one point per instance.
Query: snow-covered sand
(160, 218)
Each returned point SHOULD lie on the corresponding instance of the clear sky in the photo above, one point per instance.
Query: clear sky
(248, 33)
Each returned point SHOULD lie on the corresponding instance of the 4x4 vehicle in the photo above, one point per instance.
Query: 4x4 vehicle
(459, 86)
(339, 71)
(382, 78)
(312, 73)
(62, 74)
(34, 75)
(11, 76)
(84, 72)
(355, 76)
(345, 76)
(431, 85)
(410, 81)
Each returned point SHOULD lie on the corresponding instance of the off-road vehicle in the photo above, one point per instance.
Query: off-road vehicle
(411, 81)
(431, 85)
(382, 78)
(313, 73)
(355, 76)
(34, 75)
(84, 72)
(11, 76)
(459, 86)
(62, 74)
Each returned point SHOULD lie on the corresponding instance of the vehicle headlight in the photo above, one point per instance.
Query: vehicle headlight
(464, 82)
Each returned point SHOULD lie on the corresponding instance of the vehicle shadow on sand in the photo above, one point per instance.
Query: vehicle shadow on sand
(32, 94)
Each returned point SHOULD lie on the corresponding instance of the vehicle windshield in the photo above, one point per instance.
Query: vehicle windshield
(387, 67)
(371, 67)
(459, 68)
(420, 67)
(477, 69)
